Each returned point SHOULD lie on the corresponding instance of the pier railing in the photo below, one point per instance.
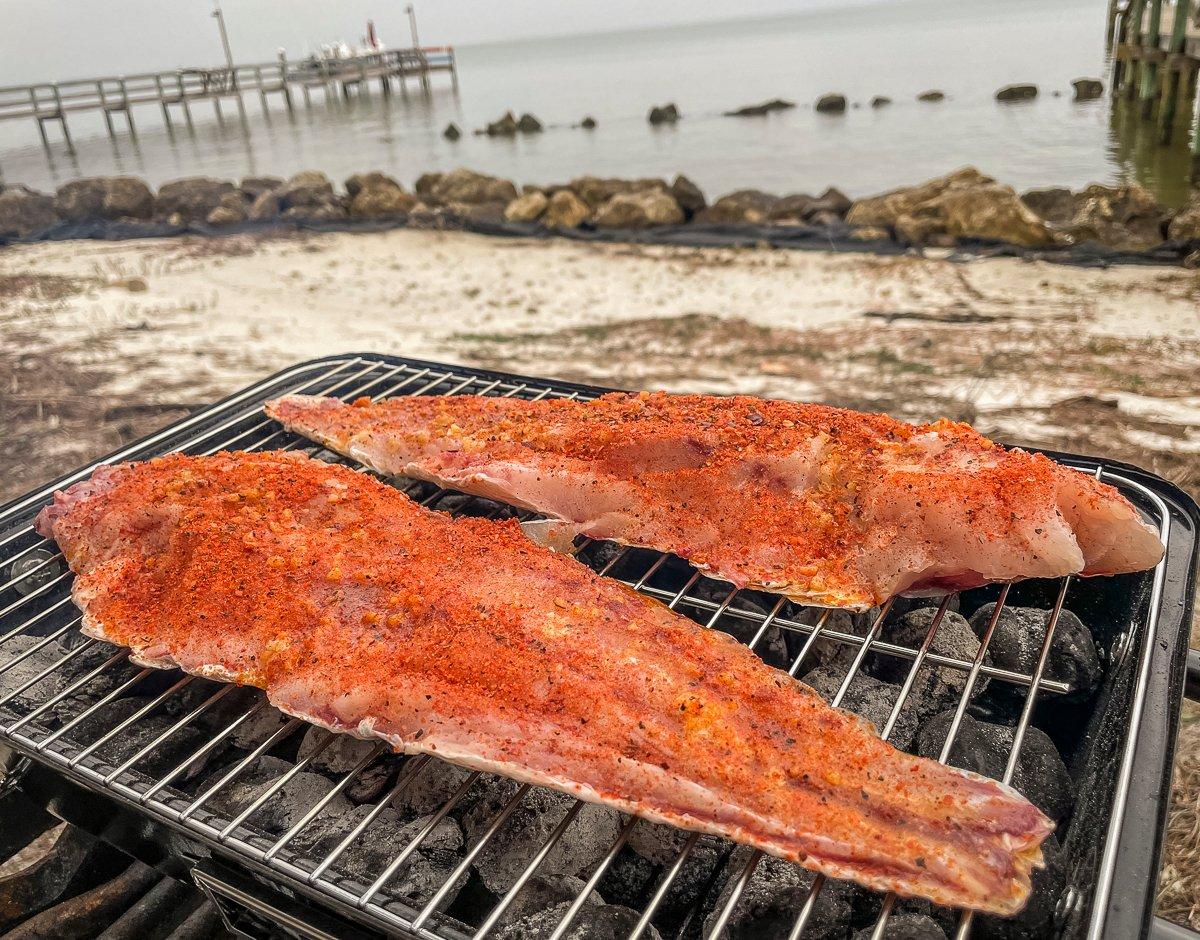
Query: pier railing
(180, 89)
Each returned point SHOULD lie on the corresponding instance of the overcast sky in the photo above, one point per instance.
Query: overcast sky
(56, 39)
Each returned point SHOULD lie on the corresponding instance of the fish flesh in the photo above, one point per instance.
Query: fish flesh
(827, 506)
(360, 611)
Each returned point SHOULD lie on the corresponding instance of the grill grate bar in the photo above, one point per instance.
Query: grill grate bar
(138, 715)
(12, 562)
(37, 647)
(66, 658)
(129, 683)
(119, 656)
(590, 885)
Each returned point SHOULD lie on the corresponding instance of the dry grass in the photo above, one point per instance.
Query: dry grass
(1179, 880)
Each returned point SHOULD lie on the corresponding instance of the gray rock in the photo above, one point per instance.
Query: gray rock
(880, 101)
(931, 96)
(452, 131)
(1017, 641)
(936, 687)
(505, 126)
(905, 927)
(759, 110)
(308, 189)
(664, 114)
(689, 196)
(745, 206)
(792, 208)
(528, 124)
(638, 210)
(1017, 93)
(25, 213)
(588, 123)
(1086, 89)
(471, 188)
(584, 842)
(983, 747)
(833, 200)
(285, 807)
(832, 103)
(601, 922)
(104, 198)
(192, 198)
(595, 191)
(767, 908)
(254, 186)
(872, 700)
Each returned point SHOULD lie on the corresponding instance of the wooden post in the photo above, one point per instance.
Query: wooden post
(284, 86)
(1172, 76)
(1196, 138)
(128, 110)
(262, 92)
(37, 116)
(187, 108)
(1149, 78)
(104, 109)
(162, 103)
(1119, 63)
(1137, 10)
(1110, 25)
(62, 117)
(454, 60)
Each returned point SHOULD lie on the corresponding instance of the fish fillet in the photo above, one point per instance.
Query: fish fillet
(824, 505)
(359, 611)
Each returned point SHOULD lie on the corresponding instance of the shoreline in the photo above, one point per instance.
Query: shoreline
(964, 211)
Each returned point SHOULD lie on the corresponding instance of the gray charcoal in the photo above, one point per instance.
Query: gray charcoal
(906, 927)
(433, 785)
(1017, 642)
(904, 605)
(584, 842)
(629, 879)
(286, 805)
(602, 922)
(102, 719)
(937, 687)
(1037, 919)
(257, 728)
(871, 699)
(770, 903)
(18, 674)
(165, 756)
(983, 747)
(651, 850)
(456, 503)
(364, 859)
(772, 647)
(542, 892)
(825, 650)
(369, 785)
(601, 554)
(340, 756)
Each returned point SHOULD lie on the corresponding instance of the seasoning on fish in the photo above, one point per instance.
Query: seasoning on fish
(358, 610)
(824, 505)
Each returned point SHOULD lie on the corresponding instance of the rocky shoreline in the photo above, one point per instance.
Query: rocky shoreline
(965, 208)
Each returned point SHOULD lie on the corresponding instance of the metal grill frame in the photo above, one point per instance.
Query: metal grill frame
(1121, 901)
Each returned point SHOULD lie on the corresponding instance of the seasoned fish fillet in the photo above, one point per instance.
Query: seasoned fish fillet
(827, 506)
(358, 610)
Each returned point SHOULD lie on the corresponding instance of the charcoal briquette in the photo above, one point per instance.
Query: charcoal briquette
(285, 806)
(341, 755)
(432, 786)
(871, 699)
(935, 687)
(601, 922)
(542, 892)
(1017, 642)
(905, 927)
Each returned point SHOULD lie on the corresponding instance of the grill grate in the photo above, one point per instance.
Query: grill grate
(36, 611)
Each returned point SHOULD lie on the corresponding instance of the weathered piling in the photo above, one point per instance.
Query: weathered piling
(1149, 78)
(1179, 69)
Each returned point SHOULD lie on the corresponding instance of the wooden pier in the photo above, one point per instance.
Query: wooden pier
(1156, 62)
(176, 93)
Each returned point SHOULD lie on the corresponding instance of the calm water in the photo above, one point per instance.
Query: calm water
(967, 48)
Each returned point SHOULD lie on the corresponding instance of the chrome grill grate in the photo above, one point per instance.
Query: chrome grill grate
(36, 612)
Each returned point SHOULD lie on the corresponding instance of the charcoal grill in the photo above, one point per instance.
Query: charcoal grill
(60, 725)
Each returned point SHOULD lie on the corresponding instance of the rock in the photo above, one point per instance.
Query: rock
(905, 926)
(323, 212)
(426, 183)
(285, 806)
(595, 190)
(1055, 204)
(758, 110)
(831, 104)
(936, 687)
(588, 123)
(1017, 642)
(1037, 919)
(360, 181)
(527, 207)
(529, 124)
(254, 186)
(264, 208)
(104, 197)
(1124, 217)
(963, 204)
(1185, 227)
(872, 700)
(791, 208)
(1017, 93)
(744, 207)
(689, 196)
(505, 126)
(869, 233)
(599, 922)
(1191, 261)
(1087, 89)
(309, 189)
(583, 843)
(24, 212)
(379, 197)
(933, 95)
(565, 210)
(192, 198)
(636, 210)
(769, 904)
(231, 210)
(452, 131)
(880, 101)
(542, 892)
(983, 747)
(833, 200)
(471, 188)
(666, 114)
